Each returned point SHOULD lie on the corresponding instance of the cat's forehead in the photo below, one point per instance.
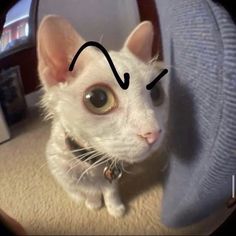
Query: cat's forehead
(124, 62)
(98, 71)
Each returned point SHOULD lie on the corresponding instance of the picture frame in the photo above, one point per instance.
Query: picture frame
(12, 98)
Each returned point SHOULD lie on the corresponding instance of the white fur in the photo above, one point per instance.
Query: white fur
(115, 134)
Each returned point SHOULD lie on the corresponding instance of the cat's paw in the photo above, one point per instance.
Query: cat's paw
(77, 197)
(116, 210)
(93, 204)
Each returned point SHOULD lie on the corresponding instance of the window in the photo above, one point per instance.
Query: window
(18, 30)
(22, 30)
(5, 39)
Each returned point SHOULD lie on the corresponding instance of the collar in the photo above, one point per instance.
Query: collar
(110, 172)
(75, 148)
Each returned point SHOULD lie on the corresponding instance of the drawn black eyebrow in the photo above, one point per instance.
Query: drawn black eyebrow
(123, 85)
(152, 84)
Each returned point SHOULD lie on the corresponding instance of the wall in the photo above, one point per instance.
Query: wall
(111, 20)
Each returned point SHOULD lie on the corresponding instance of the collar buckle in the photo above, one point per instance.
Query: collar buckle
(112, 172)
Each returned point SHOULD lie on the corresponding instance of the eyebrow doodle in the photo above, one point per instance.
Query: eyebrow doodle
(124, 85)
(152, 84)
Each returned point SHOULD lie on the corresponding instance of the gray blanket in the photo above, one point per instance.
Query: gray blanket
(199, 42)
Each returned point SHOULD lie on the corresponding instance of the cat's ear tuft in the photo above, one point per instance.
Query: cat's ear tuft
(57, 43)
(140, 40)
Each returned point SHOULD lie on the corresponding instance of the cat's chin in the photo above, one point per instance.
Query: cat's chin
(144, 156)
(140, 159)
(137, 159)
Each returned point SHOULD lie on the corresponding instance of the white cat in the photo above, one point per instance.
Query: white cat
(95, 123)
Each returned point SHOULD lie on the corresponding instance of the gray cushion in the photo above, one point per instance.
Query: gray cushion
(199, 42)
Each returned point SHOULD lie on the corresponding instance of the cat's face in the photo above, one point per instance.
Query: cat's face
(125, 124)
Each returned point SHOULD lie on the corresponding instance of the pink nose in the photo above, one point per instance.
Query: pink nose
(151, 137)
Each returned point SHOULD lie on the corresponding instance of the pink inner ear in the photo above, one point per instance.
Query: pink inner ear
(50, 78)
(57, 43)
(140, 41)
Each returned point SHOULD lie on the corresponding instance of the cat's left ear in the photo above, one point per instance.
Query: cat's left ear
(140, 40)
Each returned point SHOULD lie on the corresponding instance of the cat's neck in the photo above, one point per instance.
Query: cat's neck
(111, 172)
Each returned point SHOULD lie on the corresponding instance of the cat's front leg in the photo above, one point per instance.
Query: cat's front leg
(94, 201)
(112, 200)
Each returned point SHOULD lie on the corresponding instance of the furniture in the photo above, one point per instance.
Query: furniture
(4, 132)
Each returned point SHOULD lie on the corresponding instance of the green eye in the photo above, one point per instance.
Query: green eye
(99, 99)
(157, 95)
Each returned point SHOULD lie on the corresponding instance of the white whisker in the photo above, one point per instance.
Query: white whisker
(81, 149)
(78, 161)
(96, 164)
(43, 165)
(82, 156)
(123, 168)
(93, 156)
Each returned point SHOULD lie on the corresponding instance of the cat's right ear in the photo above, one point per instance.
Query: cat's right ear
(140, 40)
(57, 43)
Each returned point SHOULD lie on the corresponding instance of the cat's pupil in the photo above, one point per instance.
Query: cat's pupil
(97, 97)
(157, 95)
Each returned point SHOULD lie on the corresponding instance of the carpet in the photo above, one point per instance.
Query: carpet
(29, 193)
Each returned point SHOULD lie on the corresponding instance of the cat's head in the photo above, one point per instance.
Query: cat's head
(89, 103)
